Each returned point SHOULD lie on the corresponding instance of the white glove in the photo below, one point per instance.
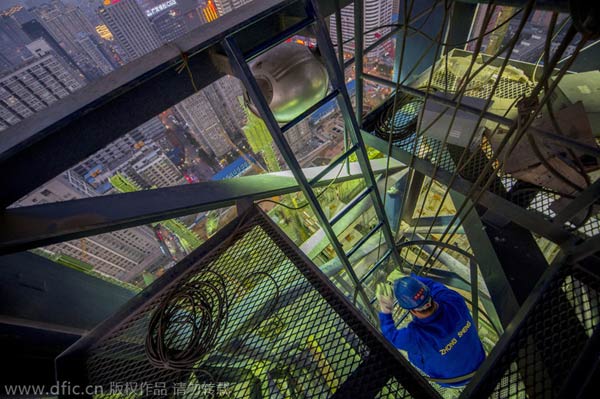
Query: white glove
(385, 297)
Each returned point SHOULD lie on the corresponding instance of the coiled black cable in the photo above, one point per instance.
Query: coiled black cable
(403, 124)
(186, 324)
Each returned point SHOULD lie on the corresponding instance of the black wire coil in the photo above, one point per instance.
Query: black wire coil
(403, 123)
(187, 322)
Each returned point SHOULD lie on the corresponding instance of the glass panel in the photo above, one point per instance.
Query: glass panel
(380, 61)
(374, 95)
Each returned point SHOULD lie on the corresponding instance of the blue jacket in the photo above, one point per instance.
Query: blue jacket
(443, 345)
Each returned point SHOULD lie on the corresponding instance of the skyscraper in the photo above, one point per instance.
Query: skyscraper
(12, 43)
(150, 167)
(90, 48)
(44, 79)
(71, 29)
(169, 24)
(204, 124)
(376, 13)
(35, 30)
(224, 96)
(298, 138)
(130, 27)
(225, 6)
(118, 254)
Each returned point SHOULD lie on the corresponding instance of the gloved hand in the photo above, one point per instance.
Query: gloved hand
(385, 297)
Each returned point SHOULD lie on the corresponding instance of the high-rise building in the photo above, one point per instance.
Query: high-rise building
(224, 96)
(298, 137)
(376, 13)
(225, 6)
(71, 29)
(64, 22)
(35, 30)
(13, 41)
(100, 166)
(110, 156)
(130, 27)
(169, 24)
(205, 125)
(88, 44)
(40, 82)
(118, 254)
(150, 167)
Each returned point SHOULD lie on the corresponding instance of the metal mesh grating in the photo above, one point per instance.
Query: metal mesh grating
(284, 331)
(507, 88)
(474, 161)
(536, 361)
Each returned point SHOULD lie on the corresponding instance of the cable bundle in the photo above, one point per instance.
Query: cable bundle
(403, 124)
(186, 324)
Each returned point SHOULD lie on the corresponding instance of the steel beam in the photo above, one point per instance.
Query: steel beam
(587, 248)
(584, 199)
(494, 274)
(34, 226)
(531, 221)
(358, 58)
(414, 190)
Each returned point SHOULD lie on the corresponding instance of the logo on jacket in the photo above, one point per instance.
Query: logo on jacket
(454, 341)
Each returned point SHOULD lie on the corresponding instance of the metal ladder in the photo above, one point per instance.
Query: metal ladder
(239, 63)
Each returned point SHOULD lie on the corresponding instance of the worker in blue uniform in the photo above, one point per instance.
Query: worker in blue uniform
(441, 340)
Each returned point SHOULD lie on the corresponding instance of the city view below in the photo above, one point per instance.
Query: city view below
(50, 49)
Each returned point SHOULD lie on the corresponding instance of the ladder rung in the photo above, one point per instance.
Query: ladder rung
(272, 42)
(351, 205)
(376, 266)
(309, 111)
(363, 240)
(332, 165)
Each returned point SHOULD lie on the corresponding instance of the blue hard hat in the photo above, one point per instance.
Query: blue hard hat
(411, 293)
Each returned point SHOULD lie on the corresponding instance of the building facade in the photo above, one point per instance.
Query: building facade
(13, 41)
(204, 124)
(225, 6)
(42, 81)
(130, 28)
(116, 254)
(75, 34)
(150, 167)
(376, 13)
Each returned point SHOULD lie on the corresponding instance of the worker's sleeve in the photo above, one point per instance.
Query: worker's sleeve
(400, 338)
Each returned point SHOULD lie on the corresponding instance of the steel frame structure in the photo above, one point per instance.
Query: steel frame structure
(242, 70)
(80, 124)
